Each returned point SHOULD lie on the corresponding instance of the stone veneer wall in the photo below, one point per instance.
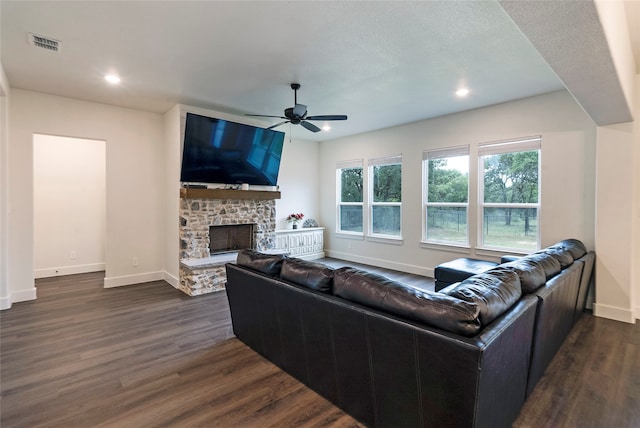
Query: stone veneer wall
(202, 280)
(196, 215)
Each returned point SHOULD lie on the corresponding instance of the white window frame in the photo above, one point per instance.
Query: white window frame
(383, 161)
(350, 164)
(501, 147)
(428, 155)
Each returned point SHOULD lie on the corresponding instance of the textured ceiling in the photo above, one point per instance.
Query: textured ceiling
(380, 63)
(570, 37)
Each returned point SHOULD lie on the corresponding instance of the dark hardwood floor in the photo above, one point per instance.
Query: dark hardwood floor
(148, 355)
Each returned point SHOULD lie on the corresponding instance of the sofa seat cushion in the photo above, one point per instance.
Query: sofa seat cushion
(269, 264)
(531, 273)
(494, 292)
(549, 263)
(316, 276)
(379, 292)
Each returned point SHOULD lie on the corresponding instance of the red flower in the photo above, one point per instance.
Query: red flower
(295, 217)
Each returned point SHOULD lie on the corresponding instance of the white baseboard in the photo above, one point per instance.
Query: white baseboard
(173, 280)
(68, 270)
(402, 267)
(613, 313)
(5, 303)
(119, 281)
(18, 296)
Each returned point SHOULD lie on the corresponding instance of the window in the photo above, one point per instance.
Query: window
(350, 186)
(509, 194)
(386, 196)
(446, 198)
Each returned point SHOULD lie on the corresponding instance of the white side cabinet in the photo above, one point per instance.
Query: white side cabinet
(305, 243)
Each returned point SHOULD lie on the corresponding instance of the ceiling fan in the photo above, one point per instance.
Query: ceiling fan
(297, 114)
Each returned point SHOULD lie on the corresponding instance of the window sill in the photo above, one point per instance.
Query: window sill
(350, 235)
(385, 240)
(497, 252)
(463, 249)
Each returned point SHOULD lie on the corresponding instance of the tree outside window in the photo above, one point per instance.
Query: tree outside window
(350, 198)
(510, 197)
(386, 196)
(447, 195)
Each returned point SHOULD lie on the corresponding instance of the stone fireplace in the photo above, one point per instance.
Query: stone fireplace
(238, 219)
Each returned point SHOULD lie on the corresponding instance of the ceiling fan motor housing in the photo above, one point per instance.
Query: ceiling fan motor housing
(297, 115)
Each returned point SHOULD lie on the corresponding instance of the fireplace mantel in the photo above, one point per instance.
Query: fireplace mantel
(193, 193)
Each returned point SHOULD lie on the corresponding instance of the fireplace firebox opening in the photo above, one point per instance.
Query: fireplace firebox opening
(233, 237)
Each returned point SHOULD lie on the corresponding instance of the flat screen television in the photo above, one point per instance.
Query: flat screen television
(224, 152)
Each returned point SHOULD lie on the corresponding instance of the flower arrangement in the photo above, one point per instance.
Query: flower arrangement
(295, 218)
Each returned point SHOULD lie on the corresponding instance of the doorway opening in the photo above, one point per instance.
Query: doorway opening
(69, 205)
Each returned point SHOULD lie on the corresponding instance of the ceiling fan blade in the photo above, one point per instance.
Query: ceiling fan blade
(278, 124)
(310, 126)
(328, 117)
(265, 115)
(300, 110)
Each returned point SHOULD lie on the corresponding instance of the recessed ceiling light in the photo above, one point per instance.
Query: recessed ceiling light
(462, 92)
(326, 128)
(112, 78)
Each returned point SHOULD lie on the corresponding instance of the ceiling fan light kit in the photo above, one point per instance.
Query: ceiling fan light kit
(297, 115)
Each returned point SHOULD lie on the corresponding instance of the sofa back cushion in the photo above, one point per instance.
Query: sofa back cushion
(574, 247)
(561, 254)
(308, 274)
(549, 263)
(494, 291)
(379, 292)
(530, 271)
(269, 264)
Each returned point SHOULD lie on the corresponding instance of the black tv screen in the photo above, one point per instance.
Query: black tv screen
(225, 152)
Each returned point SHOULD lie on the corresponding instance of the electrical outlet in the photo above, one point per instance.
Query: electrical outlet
(134, 262)
(72, 254)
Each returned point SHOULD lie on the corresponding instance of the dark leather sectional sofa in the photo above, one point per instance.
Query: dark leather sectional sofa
(392, 355)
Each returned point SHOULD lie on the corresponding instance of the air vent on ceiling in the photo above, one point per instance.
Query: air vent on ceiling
(44, 42)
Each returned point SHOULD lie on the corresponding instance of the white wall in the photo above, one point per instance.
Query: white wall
(172, 135)
(5, 300)
(618, 219)
(135, 186)
(635, 200)
(568, 183)
(618, 184)
(69, 182)
(614, 232)
(299, 182)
